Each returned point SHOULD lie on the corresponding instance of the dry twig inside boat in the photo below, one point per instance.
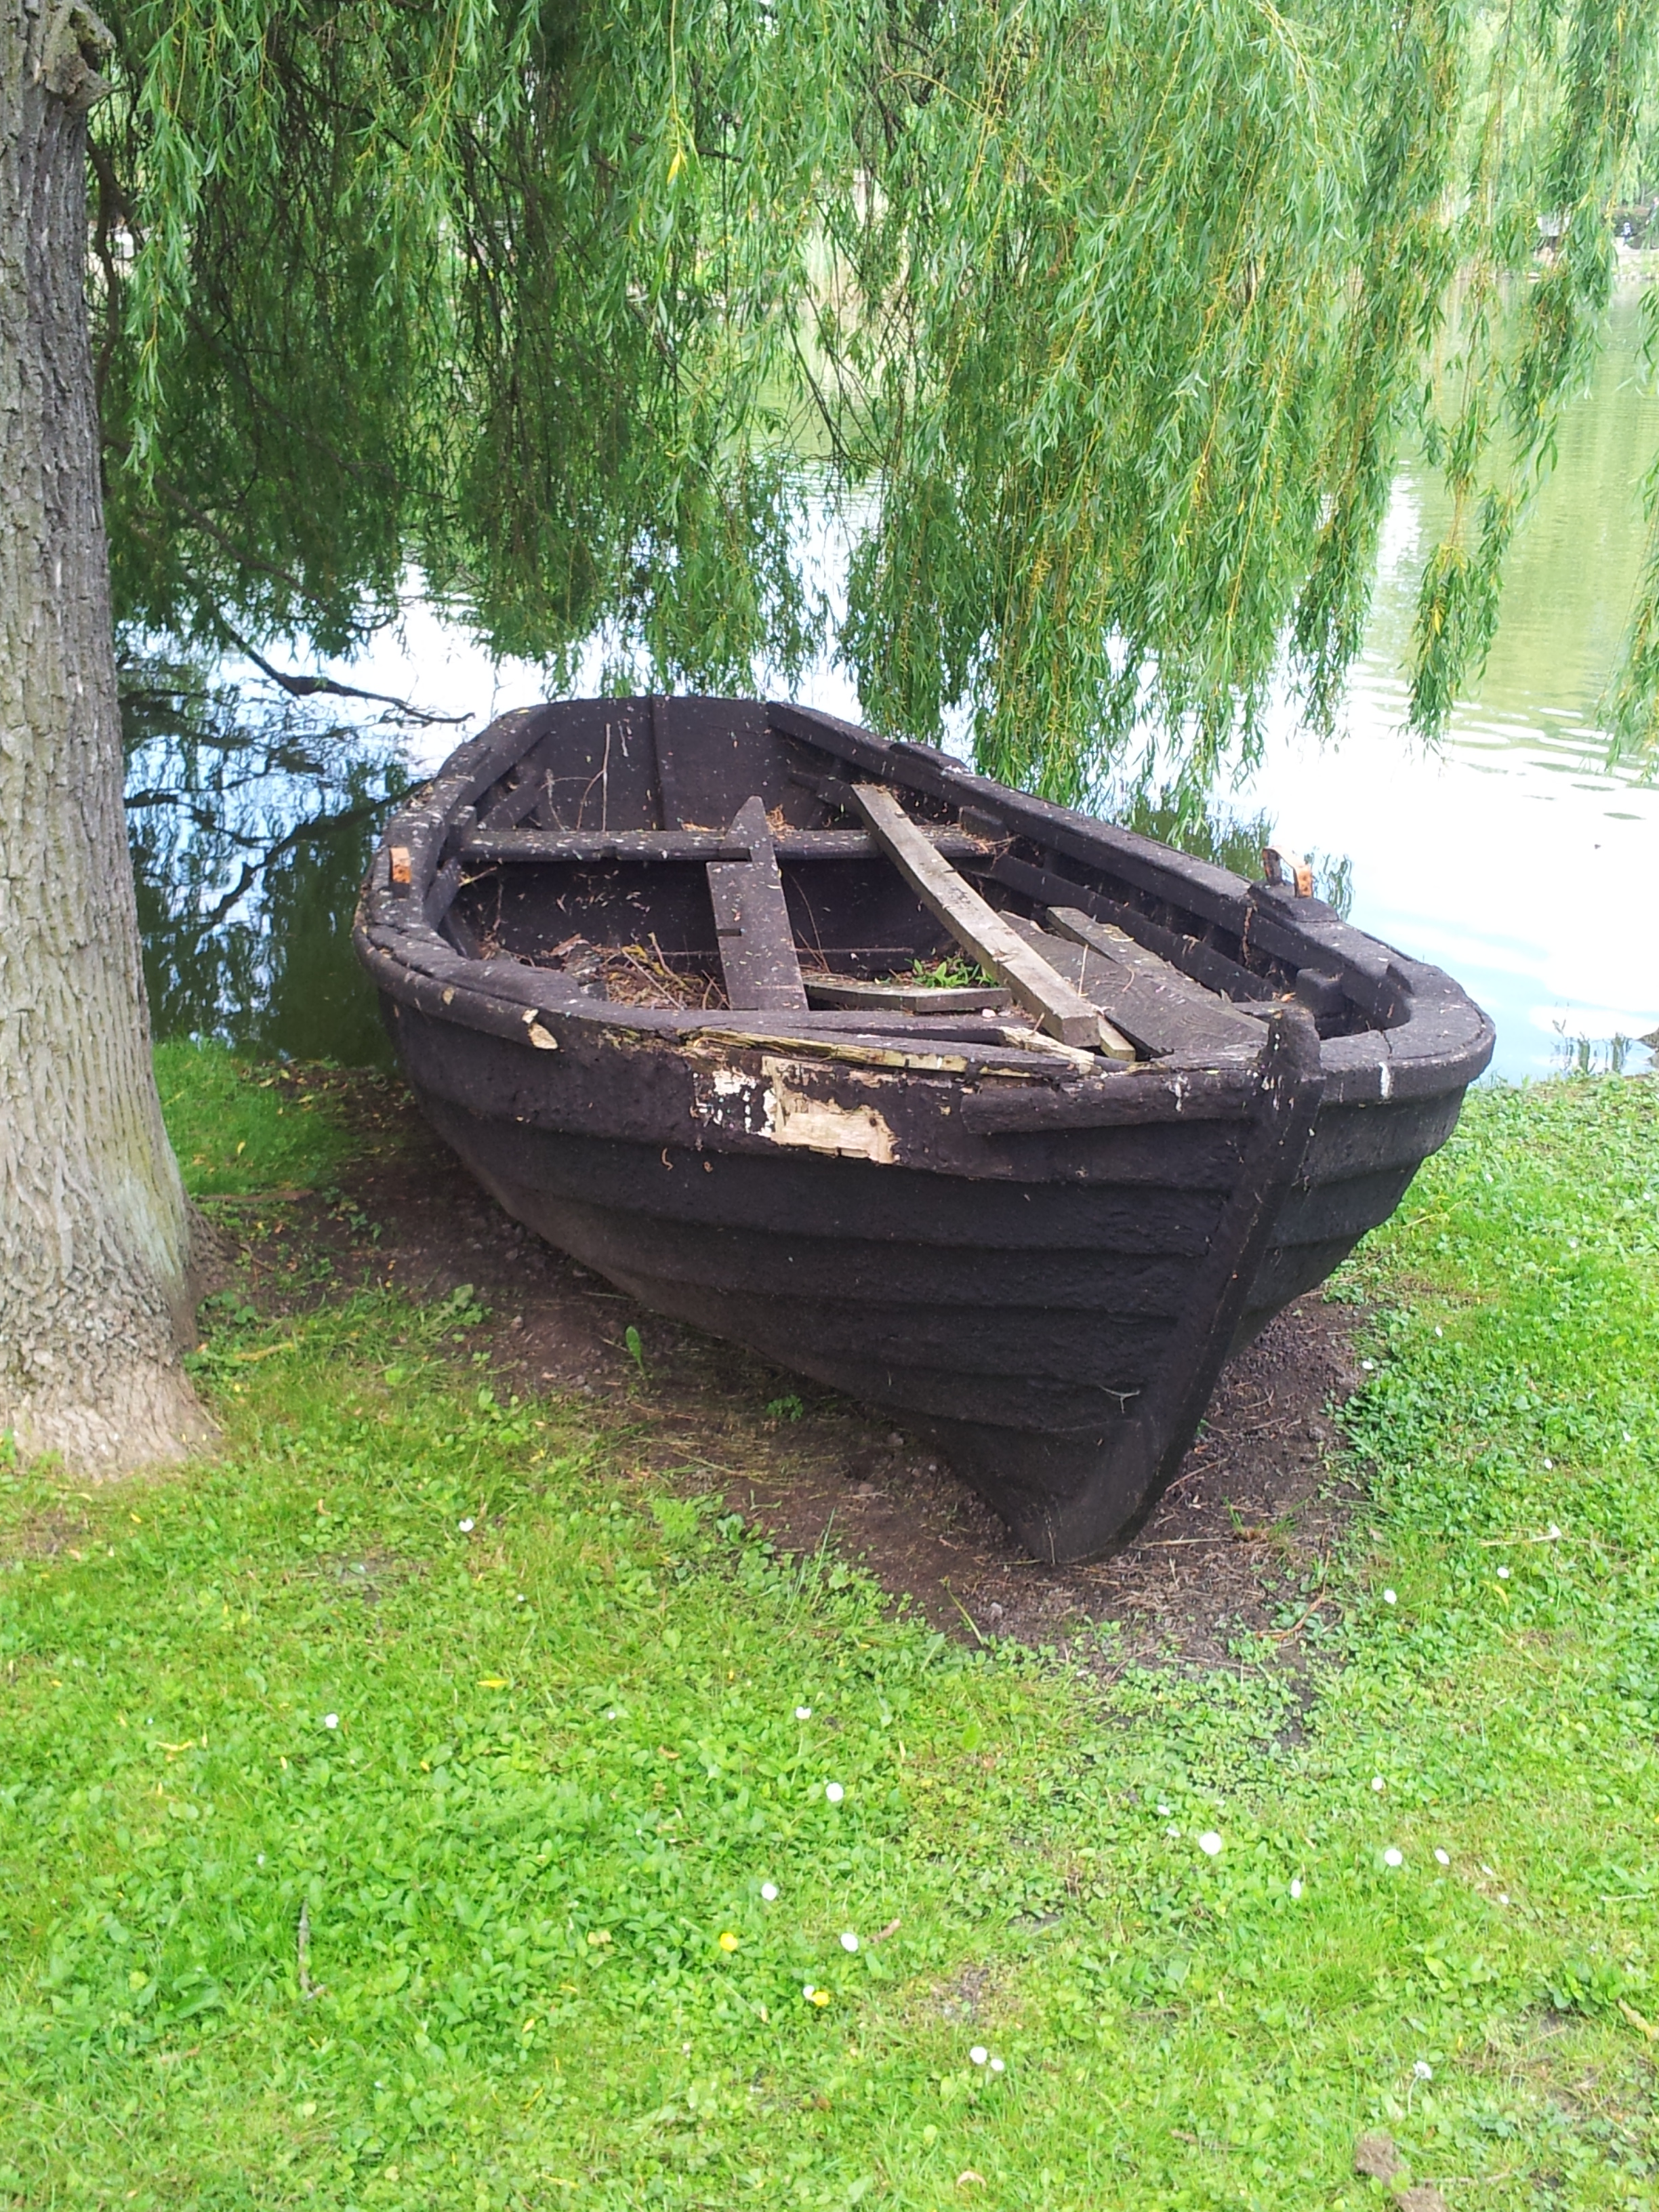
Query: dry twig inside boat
(640, 975)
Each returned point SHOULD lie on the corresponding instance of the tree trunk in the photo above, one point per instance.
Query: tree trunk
(95, 1293)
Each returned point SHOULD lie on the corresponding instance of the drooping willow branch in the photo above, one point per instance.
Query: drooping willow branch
(1110, 320)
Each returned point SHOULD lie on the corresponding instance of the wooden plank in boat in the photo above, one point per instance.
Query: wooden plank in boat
(519, 791)
(1059, 1009)
(668, 783)
(1150, 999)
(1184, 951)
(592, 847)
(904, 998)
(860, 845)
(751, 920)
(1024, 1053)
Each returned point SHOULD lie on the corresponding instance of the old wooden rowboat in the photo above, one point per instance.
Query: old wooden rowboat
(650, 967)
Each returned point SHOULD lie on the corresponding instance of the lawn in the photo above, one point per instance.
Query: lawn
(409, 1808)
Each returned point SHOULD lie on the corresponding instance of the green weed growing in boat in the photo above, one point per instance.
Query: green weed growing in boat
(950, 973)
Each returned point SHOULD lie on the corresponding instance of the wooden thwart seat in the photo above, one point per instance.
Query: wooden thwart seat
(595, 848)
(751, 920)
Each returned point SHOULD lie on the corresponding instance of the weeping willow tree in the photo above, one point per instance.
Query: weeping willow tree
(1161, 297)
(1112, 311)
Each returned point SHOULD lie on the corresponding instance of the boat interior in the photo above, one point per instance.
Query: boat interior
(724, 855)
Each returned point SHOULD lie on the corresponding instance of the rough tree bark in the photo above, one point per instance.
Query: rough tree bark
(95, 1281)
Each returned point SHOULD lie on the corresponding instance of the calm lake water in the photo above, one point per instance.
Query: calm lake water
(1513, 856)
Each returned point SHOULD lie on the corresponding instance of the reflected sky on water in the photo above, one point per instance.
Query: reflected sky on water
(1514, 856)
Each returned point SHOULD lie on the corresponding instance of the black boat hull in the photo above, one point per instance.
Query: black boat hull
(1043, 1269)
(1021, 1325)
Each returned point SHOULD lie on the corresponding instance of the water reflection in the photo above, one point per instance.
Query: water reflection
(1517, 856)
(1211, 830)
(1613, 1055)
(251, 817)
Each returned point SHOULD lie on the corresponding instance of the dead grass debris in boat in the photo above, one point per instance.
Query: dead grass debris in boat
(640, 975)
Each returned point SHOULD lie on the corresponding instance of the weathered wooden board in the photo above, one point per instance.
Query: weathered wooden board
(1187, 952)
(1164, 1011)
(904, 998)
(1095, 978)
(592, 848)
(1057, 1006)
(751, 920)
(670, 807)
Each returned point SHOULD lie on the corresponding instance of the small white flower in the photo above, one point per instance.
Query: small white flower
(521, 1597)
(803, 1712)
(610, 1712)
(1172, 1832)
(260, 1860)
(1503, 1898)
(465, 1526)
(1390, 1598)
(1370, 1366)
(1423, 2070)
(1378, 1783)
(1549, 1463)
(1295, 1885)
(1163, 1812)
(807, 1989)
(996, 2066)
(979, 2054)
(769, 1892)
(850, 1942)
(1442, 1858)
(1503, 1574)
(1394, 1856)
(331, 1719)
(1437, 1328)
(834, 1792)
(1210, 1844)
(1491, 1873)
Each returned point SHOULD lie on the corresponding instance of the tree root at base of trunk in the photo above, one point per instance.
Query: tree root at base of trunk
(139, 1416)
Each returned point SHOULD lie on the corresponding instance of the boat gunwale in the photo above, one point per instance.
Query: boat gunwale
(1442, 1044)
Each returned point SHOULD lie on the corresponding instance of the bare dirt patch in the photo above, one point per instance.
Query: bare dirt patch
(1236, 1547)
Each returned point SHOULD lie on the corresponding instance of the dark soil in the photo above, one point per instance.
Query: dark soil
(1237, 1547)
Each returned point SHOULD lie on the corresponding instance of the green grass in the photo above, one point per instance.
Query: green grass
(239, 1130)
(565, 1757)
